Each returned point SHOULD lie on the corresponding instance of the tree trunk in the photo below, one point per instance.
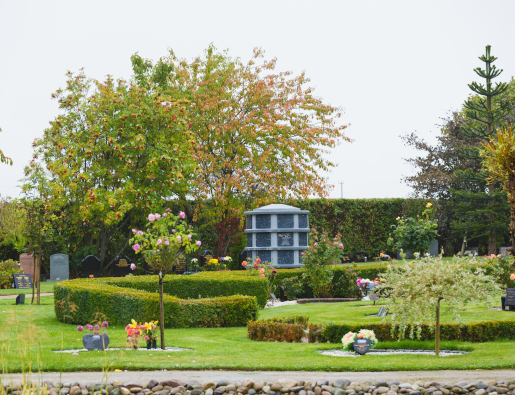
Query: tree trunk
(492, 238)
(437, 329)
(511, 198)
(161, 311)
(38, 276)
(34, 279)
(463, 246)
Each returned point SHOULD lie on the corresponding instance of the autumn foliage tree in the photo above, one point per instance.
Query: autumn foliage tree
(261, 135)
(116, 146)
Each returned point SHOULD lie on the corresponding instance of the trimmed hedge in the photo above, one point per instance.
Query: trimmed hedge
(290, 329)
(478, 332)
(200, 285)
(123, 299)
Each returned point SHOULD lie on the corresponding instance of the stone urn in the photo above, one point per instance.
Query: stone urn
(95, 342)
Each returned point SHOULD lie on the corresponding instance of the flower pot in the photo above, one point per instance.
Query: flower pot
(149, 344)
(95, 342)
(154, 343)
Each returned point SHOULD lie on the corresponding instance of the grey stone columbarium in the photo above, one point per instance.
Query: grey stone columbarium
(59, 267)
(278, 234)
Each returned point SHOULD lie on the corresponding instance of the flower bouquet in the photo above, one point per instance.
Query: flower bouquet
(134, 332)
(150, 333)
(349, 339)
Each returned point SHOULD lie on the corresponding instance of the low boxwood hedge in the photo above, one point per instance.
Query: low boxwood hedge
(225, 300)
(478, 332)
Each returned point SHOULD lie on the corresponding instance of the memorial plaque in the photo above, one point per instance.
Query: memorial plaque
(122, 266)
(263, 221)
(249, 222)
(510, 297)
(284, 239)
(303, 221)
(360, 257)
(95, 342)
(205, 257)
(27, 263)
(362, 346)
(433, 248)
(286, 257)
(59, 267)
(504, 251)
(249, 240)
(283, 295)
(285, 221)
(381, 312)
(303, 239)
(22, 281)
(180, 264)
(91, 267)
(20, 299)
(265, 256)
(263, 239)
(345, 258)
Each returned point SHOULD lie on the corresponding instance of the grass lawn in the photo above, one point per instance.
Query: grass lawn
(30, 333)
(45, 287)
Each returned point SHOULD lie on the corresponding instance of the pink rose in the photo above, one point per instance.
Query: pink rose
(189, 237)
(151, 217)
(182, 214)
(168, 209)
(341, 245)
(179, 239)
(134, 230)
(198, 243)
(147, 338)
(157, 215)
(133, 266)
(167, 243)
(173, 230)
(136, 247)
(262, 275)
(140, 232)
(164, 214)
(159, 241)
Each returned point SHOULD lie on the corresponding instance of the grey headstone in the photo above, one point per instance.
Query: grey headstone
(20, 299)
(433, 248)
(95, 342)
(504, 251)
(59, 267)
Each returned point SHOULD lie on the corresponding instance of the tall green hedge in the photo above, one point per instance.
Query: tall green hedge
(78, 302)
(481, 331)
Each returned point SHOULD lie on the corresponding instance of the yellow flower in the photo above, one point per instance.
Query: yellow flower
(117, 370)
(428, 205)
(398, 218)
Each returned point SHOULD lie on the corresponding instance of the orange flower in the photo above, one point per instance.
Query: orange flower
(244, 263)
(262, 275)
(258, 260)
(512, 276)
(262, 270)
(91, 276)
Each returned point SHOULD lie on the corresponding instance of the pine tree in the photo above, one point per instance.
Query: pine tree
(482, 209)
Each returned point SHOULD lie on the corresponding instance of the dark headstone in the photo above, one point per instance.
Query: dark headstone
(22, 281)
(249, 240)
(59, 267)
(180, 264)
(510, 297)
(91, 267)
(360, 257)
(504, 251)
(122, 266)
(504, 306)
(283, 295)
(95, 342)
(409, 255)
(362, 346)
(471, 250)
(345, 258)
(205, 257)
(20, 299)
(433, 248)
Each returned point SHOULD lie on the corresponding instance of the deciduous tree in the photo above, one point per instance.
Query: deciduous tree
(261, 135)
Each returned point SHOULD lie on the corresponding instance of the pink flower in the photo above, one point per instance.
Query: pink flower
(136, 247)
(302, 253)
(157, 216)
(179, 239)
(198, 243)
(164, 214)
(151, 217)
(140, 232)
(189, 237)
(315, 244)
(341, 245)
(159, 241)
(147, 338)
(262, 275)
(80, 328)
(133, 266)
(182, 214)
(173, 230)
(262, 270)
(75, 353)
(96, 333)
(168, 209)
(105, 324)
(167, 242)
(134, 230)
(97, 327)
(360, 335)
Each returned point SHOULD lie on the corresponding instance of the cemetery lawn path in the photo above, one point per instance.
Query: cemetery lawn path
(46, 287)
(30, 333)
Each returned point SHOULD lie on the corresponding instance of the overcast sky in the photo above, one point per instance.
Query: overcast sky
(396, 67)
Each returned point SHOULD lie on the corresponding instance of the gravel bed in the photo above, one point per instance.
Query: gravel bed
(340, 353)
(173, 349)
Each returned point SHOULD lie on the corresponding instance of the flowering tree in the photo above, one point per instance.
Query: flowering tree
(260, 135)
(322, 252)
(115, 147)
(417, 287)
(165, 236)
(415, 234)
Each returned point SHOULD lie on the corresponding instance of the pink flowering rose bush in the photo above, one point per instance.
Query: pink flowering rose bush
(165, 236)
(350, 337)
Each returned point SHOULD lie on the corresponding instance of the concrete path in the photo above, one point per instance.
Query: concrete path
(14, 296)
(448, 376)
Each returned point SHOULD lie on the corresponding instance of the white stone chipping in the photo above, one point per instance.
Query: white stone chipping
(340, 353)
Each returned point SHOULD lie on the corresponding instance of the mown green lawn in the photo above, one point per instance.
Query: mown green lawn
(45, 287)
(28, 335)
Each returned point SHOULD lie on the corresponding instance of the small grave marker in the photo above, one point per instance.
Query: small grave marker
(360, 257)
(122, 266)
(59, 267)
(91, 267)
(205, 257)
(510, 297)
(345, 258)
(433, 248)
(283, 295)
(362, 346)
(20, 299)
(180, 264)
(22, 281)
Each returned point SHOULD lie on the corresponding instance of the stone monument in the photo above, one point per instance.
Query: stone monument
(59, 267)
(27, 263)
